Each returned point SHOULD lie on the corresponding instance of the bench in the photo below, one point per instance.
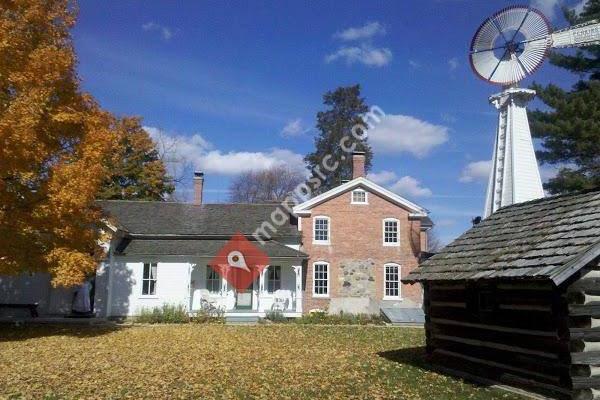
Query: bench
(32, 307)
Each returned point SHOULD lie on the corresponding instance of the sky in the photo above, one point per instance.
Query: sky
(233, 86)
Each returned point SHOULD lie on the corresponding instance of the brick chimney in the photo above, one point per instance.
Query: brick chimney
(198, 187)
(358, 164)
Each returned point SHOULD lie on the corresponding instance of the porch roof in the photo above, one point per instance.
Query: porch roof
(199, 248)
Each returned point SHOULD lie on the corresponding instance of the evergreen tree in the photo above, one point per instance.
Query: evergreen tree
(137, 171)
(345, 110)
(570, 131)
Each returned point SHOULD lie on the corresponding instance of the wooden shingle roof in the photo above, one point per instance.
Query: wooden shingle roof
(161, 218)
(549, 238)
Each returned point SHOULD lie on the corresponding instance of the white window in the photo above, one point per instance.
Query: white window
(149, 279)
(213, 280)
(391, 236)
(273, 278)
(391, 281)
(359, 196)
(321, 231)
(321, 279)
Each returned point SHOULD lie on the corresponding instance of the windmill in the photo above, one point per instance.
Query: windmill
(507, 47)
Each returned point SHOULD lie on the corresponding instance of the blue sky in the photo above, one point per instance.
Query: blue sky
(237, 85)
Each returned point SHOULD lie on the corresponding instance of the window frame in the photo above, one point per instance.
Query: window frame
(397, 242)
(213, 276)
(323, 242)
(149, 279)
(270, 281)
(385, 281)
(314, 279)
(359, 202)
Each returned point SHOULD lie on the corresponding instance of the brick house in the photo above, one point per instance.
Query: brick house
(361, 240)
(344, 250)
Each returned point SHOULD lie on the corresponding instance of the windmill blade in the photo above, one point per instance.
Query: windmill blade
(587, 34)
(510, 45)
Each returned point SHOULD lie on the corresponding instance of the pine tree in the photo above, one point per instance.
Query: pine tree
(345, 110)
(137, 172)
(570, 131)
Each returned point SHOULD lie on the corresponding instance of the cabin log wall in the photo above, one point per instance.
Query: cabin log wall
(520, 337)
(583, 301)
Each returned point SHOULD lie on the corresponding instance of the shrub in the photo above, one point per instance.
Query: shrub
(275, 316)
(205, 316)
(321, 317)
(165, 314)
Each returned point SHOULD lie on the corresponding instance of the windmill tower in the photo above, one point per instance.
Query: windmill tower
(507, 47)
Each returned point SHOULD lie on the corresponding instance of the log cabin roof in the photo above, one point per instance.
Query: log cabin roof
(550, 238)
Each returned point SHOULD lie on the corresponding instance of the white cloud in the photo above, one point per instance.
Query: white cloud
(200, 153)
(410, 187)
(579, 7)
(294, 127)
(453, 64)
(165, 32)
(363, 54)
(477, 171)
(449, 118)
(364, 32)
(548, 172)
(547, 7)
(382, 178)
(414, 64)
(405, 186)
(403, 133)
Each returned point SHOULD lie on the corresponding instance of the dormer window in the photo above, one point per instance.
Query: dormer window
(359, 196)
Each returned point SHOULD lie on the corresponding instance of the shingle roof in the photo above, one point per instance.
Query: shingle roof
(166, 218)
(200, 248)
(549, 238)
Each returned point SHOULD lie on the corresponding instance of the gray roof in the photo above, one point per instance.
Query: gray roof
(168, 218)
(549, 238)
(199, 248)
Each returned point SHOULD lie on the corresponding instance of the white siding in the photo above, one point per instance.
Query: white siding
(172, 287)
(34, 288)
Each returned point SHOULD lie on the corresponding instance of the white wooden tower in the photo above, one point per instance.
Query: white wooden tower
(506, 48)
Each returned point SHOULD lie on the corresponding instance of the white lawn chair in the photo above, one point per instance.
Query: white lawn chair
(281, 300)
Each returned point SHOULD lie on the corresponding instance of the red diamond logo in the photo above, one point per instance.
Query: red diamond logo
(239, 262)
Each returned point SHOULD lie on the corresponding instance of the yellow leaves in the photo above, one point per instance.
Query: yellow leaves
(224, 362)
(54, 145)
(69, 267)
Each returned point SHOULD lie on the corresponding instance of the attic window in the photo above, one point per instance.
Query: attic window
(359, 196)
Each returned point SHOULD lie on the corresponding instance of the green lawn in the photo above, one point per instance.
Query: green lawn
(217, 361)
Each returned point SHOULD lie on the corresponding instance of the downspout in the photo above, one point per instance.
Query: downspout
(110, 281)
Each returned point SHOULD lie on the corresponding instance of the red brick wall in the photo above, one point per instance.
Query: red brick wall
(357, 234)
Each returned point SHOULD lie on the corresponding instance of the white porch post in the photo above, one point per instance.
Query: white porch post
(261, 288)
(298, 271)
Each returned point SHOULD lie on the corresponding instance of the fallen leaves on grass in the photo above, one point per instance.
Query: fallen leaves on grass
(215, 361)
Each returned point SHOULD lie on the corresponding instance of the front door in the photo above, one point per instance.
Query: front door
(243, 300)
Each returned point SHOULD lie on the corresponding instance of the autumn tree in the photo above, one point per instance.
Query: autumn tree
(345, 110)
(570, 129)
(271, 184)
(136, 170)
(55, 145)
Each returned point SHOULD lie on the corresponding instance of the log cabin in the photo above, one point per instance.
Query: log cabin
(516, 299)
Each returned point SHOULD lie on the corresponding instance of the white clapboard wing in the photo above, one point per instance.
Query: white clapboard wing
(587, 34)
